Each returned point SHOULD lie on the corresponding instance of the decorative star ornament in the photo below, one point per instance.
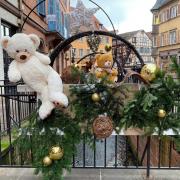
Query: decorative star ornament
(81, 16)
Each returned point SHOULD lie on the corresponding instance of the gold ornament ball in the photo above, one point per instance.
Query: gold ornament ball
(95, 97)
(108, 47)
(47, 161)
(56, 153)
(161, 113)
(148, 72)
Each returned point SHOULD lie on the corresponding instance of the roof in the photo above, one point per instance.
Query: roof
(159, 4)
(128, 35)
(149, 34)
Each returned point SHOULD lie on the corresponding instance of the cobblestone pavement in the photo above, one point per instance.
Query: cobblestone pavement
(93, 174)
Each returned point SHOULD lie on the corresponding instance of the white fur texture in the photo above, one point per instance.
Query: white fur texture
(33, 67)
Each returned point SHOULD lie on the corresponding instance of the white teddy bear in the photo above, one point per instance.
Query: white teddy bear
(33, 67)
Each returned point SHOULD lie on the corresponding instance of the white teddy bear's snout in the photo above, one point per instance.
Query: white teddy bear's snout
(22, 56)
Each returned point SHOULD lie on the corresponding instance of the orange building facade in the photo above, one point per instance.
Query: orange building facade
(80, 47)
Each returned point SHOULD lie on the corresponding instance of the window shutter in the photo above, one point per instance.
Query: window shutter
(167, 37)
(178, 9)
(168, 14)
(160, 18)
(158, 40)
(51, 12)
(178, 36)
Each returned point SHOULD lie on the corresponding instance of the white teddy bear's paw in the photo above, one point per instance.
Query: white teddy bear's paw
(59, 99)
(45, 109)
(14, 77)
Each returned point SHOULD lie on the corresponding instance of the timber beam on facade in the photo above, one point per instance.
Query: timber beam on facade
(9, 7)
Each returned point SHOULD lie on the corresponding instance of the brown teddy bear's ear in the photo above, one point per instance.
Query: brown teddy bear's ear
(4, 41)
(35, 39)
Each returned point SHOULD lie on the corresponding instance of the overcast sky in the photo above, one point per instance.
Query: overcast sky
(127, 15)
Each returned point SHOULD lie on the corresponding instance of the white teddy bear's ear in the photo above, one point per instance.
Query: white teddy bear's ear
(4, 41)
(35, 39)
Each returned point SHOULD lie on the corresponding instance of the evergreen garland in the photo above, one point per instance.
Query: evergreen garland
(41, 136)
(66, 130)
(163, 93)
(111, 103)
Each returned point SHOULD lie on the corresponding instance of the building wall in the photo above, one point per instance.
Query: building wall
(14, 2)
(163, 27)
(81, 44)
(144, 46)
(141, 41)
(38, 23)
(11, 19)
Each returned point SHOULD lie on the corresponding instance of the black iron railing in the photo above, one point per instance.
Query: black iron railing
(115, 152)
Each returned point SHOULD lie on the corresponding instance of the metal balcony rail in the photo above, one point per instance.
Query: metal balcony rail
(115, 152)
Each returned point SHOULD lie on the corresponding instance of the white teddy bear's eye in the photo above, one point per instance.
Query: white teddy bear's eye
(25, 50)
(17, 51)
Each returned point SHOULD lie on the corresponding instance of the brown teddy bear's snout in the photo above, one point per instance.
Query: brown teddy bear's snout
(108, 64)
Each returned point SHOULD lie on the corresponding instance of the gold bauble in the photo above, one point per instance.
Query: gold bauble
(47, 161)
(161, 113)
(108, 47)
(56, 153)
(148, 72)
(95, 97)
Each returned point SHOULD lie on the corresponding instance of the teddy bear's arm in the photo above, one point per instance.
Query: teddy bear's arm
(14, 74)
(43, 58)
(114, 72)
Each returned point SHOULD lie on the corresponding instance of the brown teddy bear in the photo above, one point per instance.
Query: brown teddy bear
(104, 63)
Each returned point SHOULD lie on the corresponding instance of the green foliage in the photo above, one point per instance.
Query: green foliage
(112, 99)
(65, 130)
(41, 136)
(163, 93)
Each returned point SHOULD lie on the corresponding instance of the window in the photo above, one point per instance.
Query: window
(134, 40)
(41, 9)
(172, 37)
(62, 22)
(141, 50)
(162, 40)
(51, 17)
(173, 12)
(156, 19)
(163, 17)
(147, 50)
(5, 31)
(154, 41)
(107, 40)
(80, 53)
(81, 39)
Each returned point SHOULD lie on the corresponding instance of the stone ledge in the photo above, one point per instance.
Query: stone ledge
(93, 174)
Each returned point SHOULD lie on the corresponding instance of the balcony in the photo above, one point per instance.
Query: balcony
(155, 29)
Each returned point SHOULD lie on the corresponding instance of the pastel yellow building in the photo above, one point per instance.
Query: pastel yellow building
(166, 31)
